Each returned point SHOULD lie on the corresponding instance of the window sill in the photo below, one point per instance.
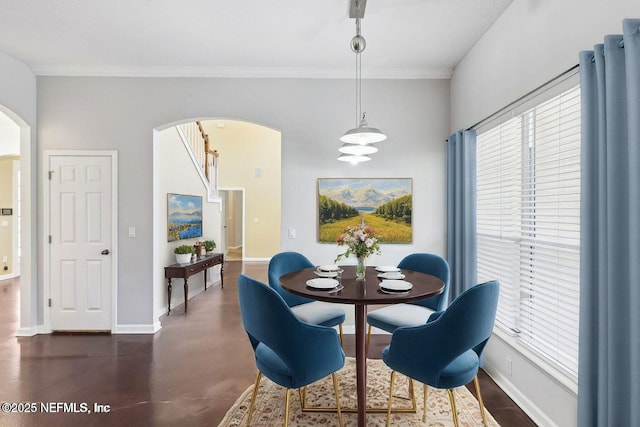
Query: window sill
(564, 380)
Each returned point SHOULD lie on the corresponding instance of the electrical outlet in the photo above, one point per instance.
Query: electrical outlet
(509, 367)
(5, 259)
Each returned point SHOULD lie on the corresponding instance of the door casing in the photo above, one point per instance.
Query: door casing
(47, 229)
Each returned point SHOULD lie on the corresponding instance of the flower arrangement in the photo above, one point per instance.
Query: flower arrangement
(361, 241)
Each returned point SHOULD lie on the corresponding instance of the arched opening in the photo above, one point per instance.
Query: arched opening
(247, 168)
(10, 246)
(17, 250)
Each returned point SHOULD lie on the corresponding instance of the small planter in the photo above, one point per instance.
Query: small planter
(209, 246)
(183, 258)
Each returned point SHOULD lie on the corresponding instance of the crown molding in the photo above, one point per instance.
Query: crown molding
(243, 72)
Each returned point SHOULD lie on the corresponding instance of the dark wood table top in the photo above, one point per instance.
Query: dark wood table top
(362, 293)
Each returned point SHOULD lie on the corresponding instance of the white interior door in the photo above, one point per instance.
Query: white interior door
(81, 242)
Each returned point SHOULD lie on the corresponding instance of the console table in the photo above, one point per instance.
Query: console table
(184, 271)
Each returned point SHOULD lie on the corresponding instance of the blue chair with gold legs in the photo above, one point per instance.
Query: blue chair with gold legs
(308, 310)
(446, 352)
(417, 312)
(288, 351)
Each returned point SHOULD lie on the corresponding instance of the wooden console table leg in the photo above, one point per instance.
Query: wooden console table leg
(186, 294)
(205, 279)
(169, 295)
(221, 274)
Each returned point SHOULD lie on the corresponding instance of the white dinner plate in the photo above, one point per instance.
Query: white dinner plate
(330, 267)
(322, 283)
(327, 273)
(395, 275)
(386, 268)
(396, 285)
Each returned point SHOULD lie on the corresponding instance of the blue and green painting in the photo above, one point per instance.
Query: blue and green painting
(184, 217)
(382, 203)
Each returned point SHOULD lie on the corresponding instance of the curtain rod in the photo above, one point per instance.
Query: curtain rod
(512, 104)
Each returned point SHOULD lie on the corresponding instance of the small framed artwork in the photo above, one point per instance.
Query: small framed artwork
(184, 216)
(6, 211)
(385, 204)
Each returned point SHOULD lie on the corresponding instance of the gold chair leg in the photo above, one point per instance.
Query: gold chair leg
(301, 396)
(287, 397)
(454, 411)
(340, 332)
(477, 384)
(412, 393)
(335, 390)
(253, 396)
(393, 376)
(424, 403)
(368, 340)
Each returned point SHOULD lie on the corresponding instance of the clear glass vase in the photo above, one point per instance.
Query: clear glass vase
(361, 268)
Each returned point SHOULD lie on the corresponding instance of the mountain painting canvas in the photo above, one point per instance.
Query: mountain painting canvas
(184, 217)
(382, 203)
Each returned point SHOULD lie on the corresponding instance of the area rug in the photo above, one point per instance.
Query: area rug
(269, 407)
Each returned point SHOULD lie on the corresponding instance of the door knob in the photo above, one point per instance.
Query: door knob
(105, 252)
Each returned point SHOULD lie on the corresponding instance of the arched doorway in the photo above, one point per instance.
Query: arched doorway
(24, 247)
(249, 160)
(10, 245)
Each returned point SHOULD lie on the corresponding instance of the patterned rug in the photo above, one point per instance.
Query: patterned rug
(269, 407)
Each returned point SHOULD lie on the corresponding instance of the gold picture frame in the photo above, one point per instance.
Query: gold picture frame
(385, 204)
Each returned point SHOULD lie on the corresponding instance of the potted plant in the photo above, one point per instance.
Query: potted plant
(209, 245)
(183, 253)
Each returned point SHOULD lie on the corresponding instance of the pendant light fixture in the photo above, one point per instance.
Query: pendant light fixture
(358, 141)
(354, 158)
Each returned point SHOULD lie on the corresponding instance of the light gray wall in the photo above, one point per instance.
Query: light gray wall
(121, 113)
(18, 101)
(532, 42)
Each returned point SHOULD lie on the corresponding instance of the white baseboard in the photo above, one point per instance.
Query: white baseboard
(538, 416)
(137, 329)
(119, 329)
(351, 330)
(347, 329)
(28, 331)
(44, 330)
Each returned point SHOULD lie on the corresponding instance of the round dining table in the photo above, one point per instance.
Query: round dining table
(361, 294)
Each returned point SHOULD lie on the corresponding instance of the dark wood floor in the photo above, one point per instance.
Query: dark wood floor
(189, 373)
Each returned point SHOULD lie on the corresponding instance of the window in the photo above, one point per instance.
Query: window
(528, 225)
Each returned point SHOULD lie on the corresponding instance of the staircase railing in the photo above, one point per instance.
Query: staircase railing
(203, 155)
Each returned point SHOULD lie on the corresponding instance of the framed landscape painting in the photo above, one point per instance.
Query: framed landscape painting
(382, 203)
(184, 217)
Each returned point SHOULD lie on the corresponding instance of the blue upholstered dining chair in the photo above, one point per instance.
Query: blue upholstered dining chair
(288, 351)
(446, 352)
(308, 310)
(414, 313)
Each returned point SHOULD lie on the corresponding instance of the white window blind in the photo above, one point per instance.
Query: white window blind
(528, 225)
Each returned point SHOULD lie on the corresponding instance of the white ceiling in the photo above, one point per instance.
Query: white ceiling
(283, 38)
